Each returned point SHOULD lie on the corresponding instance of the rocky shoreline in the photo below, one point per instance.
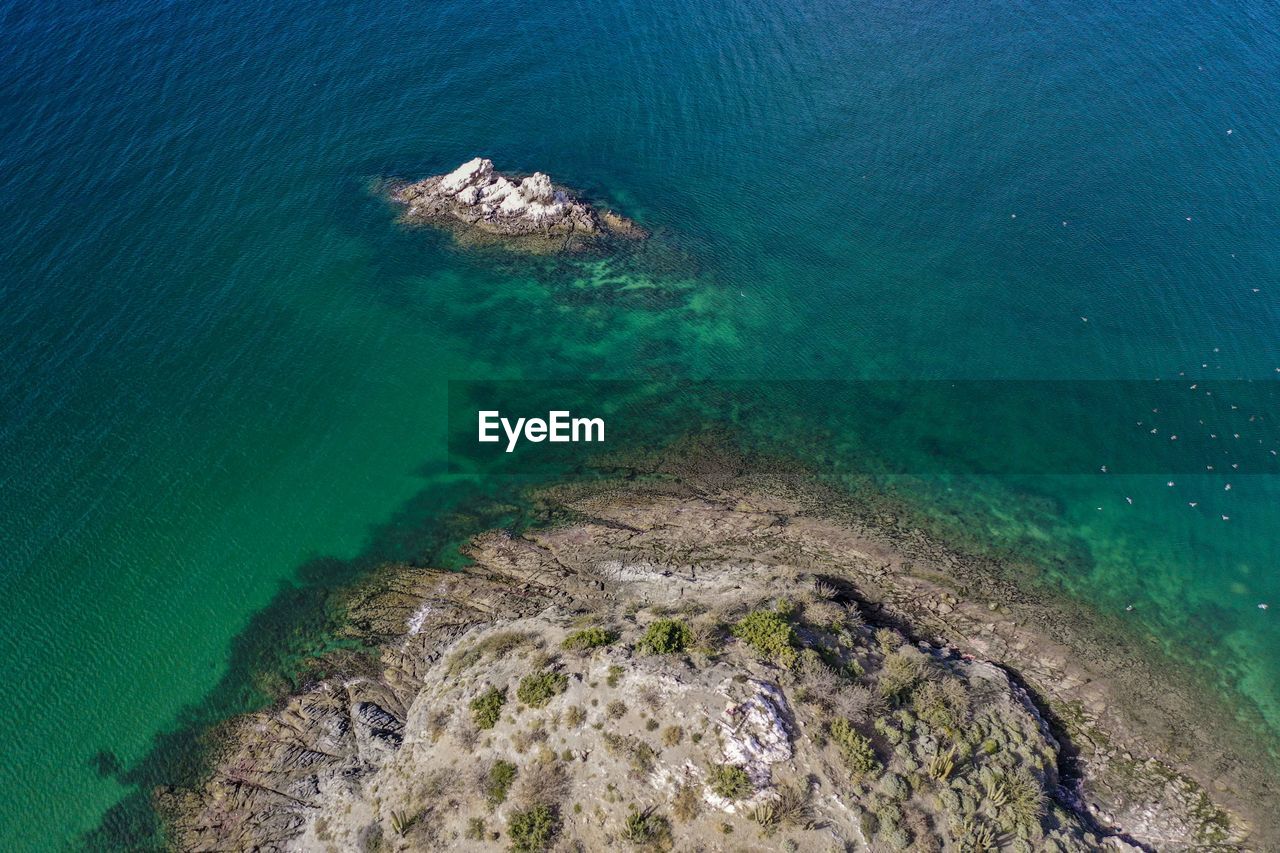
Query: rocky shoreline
(530, 214)
(874, 689)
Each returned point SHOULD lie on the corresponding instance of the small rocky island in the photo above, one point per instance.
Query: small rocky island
(706, 663)
(531, 214)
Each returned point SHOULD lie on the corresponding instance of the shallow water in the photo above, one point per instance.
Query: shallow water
(222, 359)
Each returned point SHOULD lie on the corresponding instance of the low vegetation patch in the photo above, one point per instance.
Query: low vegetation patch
(638, 753)
(647, 829)
(533, 829)
(666, 637)
(588, 638)
(903, 670)
(943, 706)
(687, 803)
(487, 708)
(770, 634)
(855, 748)
(538, 688)
(494, 645)
(731, 782)
(498, 781)
(790, 807)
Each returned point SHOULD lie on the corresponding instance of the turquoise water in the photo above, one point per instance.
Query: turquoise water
(221, 360)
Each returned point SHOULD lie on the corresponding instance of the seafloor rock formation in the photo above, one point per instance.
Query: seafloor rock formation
(719, 667)
(529, 213)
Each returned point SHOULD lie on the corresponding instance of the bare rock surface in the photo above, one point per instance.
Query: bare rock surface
(719, 665)
(525, 213)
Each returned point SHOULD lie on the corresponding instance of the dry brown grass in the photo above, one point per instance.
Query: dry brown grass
(495, 645)
(542, 782)
(687, 803)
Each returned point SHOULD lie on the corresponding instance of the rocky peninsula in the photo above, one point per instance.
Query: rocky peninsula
(697, 660)
(480, 205)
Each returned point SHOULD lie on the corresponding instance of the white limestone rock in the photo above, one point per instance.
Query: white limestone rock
(530, 213)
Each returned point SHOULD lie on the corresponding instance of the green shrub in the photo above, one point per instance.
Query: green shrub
(731, 782)
(475, 829)
(770, 634)
(855, 748)
(889, 640)
(894, 787)
(648, 829)
(903, 670)
(487, 707)
(944, 706)
(615, 675)
(666, 637)
(642, 756)
(533, 829)
(538, 688)
(588, 638)
(498, 782)
(888, 730)
(895, 838)
(1026, 797)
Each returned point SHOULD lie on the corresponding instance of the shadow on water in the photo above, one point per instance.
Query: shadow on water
(284, 646)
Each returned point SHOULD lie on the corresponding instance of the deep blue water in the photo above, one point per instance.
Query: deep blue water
(220, 357)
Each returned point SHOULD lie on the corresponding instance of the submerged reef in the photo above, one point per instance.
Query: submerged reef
(712, 662)
(528, 214)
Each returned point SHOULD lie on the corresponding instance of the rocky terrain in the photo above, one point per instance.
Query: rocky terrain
(718, 664)
(529, 214)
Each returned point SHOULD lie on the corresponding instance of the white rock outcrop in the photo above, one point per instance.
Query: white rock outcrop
(754, 735)
(530, 209)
